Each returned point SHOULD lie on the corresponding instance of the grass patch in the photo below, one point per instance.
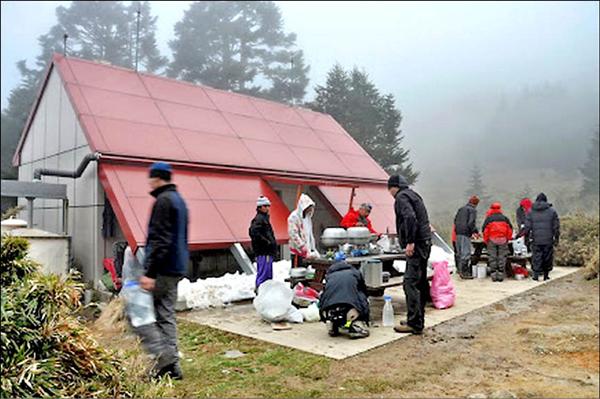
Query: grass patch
(266, 370)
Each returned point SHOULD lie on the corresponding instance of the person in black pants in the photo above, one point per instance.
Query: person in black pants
(412, 226)
(543, 226)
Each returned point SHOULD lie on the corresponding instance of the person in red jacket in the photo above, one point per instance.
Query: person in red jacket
(359, 218)
(497, 232)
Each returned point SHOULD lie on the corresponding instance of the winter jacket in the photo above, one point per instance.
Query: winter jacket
(465, 221)
(412, 221)
(345, 286)
(353, 217)
(542, 224)
(496, 227)
(167, 243)
(302, 240)
(522, 211)
(262, 236)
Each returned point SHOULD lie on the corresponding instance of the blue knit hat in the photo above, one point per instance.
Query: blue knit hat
(162, 170)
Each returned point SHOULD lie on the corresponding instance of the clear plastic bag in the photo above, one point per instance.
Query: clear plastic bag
(274, 300)
(139, 303)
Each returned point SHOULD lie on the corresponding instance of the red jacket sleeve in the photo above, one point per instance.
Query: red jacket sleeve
(370, 227)
(350, 219)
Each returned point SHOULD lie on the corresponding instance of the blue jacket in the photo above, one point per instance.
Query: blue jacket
(167, 250)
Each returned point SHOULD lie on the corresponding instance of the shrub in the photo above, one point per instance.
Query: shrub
(578, 240)
(45, 349)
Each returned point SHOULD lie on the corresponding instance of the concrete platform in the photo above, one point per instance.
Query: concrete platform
(313, 337)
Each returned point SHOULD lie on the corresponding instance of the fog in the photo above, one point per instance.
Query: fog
(512, 87)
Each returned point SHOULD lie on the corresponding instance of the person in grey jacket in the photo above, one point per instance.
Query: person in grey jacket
(543, 226)
(465, 226)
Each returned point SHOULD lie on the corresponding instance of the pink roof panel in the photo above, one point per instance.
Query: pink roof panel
(115, 105)
(193, 118)
(233, 103)
(278, 112)
(252, 128)
(178, 92)
(214, 149)
(323, 162)
(119, 80)
(274, 156)
(298, 136)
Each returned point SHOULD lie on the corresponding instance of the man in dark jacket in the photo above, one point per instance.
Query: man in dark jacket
(543, 226)
(166, 260)
(497, 232)
(264, 244)
(465, 225)
(414, 232)
(343, 301)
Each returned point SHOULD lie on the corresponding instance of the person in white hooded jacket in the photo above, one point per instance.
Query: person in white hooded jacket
(302, 240)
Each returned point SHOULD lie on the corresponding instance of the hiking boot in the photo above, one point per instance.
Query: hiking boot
(536, 277)
(173, 370)
(465, 276)
(404, 329)
(333, 330)
(546, 276)
(357, 331)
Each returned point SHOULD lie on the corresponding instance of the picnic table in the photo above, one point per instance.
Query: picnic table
(322, 264)
(480, 254)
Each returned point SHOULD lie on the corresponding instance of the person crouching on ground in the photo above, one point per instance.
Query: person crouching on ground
(343, 302)
(264, 244)
(543, 226)
(165, 262)
(302, 241)
(359, 218)
(497, 232)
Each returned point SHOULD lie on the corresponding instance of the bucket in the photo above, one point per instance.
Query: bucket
(372, 272)
(474, 270)
(482, 271)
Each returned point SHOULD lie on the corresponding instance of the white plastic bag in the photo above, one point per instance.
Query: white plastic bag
(294, 315)
(519, 246)
(385, 243)
(311, 313)
(139, 303)
(274, 300)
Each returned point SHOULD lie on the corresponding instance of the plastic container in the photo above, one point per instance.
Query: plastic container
(481, 271)
(139, 304)
(474, 271)
(388, 312)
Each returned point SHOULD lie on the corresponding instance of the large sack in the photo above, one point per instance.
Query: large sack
(442, 288)
(274, 300)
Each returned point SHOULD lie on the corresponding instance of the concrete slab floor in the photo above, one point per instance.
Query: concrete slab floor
(313, 337)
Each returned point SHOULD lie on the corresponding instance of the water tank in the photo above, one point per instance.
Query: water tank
(50, 250)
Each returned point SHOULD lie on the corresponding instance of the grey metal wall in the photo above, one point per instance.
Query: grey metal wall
(56, 140)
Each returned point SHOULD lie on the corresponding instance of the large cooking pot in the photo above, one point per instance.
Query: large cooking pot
(358, 235)
(334, 236)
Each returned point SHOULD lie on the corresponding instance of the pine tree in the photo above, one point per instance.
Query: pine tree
(234, 46)
(590, 169)
(371, 118)
(98, 30)
(476, 185)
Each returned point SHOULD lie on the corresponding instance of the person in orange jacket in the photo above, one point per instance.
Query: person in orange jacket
(497, 232)
(359, 218)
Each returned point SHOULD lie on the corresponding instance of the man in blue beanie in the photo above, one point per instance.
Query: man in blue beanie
(165, 262)
(414, 233)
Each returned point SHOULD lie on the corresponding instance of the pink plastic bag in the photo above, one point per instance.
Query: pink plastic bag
(442, 288)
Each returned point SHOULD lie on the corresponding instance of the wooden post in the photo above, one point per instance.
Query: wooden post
(298, 193)
(352, 195)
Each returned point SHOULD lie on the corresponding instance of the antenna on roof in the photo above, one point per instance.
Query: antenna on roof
(290, 78)
(137, 36)
(65, 37)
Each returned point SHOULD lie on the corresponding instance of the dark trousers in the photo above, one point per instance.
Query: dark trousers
(160, 338)
(416, 286)
(542, 258)
(497, 255)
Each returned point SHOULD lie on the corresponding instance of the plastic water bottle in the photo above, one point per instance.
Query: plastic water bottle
(388, 312)
(139, 304)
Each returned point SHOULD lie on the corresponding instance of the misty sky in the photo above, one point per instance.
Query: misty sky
(443, 61)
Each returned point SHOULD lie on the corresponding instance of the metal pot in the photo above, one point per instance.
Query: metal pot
(359, 235)
(333, 236)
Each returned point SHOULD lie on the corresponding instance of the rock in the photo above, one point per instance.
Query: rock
(477, 396)
(233, 354)
(503, 395)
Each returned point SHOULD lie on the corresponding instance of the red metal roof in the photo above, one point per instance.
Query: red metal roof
(134, 114)
(220, 205)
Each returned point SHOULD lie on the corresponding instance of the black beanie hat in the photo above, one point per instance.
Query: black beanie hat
(397, 181)
(541, 198)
